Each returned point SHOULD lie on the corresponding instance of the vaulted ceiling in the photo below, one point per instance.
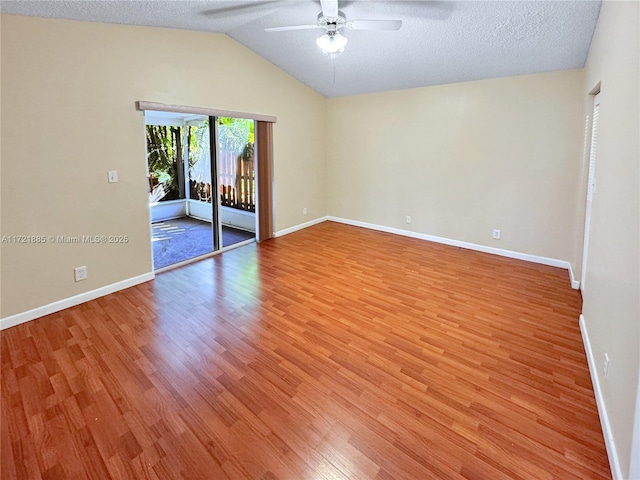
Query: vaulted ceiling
(439, 41)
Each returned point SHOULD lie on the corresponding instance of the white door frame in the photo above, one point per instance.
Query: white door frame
(591, 188)
(634, 468)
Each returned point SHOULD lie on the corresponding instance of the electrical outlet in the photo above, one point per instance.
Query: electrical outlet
(605, 365)
(408, 218)
(496, 234)
(304, 211)
(80, 273)
(113, 176)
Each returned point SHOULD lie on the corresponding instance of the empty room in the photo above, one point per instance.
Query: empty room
(319, 239)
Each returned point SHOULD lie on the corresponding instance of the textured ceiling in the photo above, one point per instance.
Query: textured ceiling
(439, 42)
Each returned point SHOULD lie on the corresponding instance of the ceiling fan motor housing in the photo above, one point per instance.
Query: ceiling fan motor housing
(332, 23)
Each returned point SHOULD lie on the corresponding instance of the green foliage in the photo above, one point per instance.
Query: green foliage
(198, 142)
(237, 135)
(165, 148)
(164, 145)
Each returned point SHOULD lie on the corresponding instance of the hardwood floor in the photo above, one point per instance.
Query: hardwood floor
(331, 353)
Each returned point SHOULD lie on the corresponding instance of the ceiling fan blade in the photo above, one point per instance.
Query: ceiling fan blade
(237, 13)
(234, 8)
(293, 27)
(374, 24)
(329, 8)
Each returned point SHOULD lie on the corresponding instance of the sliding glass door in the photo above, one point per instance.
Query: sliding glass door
(236, 179)
(202, 193)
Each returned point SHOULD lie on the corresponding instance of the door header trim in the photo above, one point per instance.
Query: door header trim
(210, 112)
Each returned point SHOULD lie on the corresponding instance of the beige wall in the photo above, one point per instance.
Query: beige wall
(460, 159)
(68, 116)
(463, 159)
(612, 289)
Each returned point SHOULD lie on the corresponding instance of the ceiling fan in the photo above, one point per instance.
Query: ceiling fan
(332, 21)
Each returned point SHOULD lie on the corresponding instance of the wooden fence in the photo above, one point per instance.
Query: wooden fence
(237, 181)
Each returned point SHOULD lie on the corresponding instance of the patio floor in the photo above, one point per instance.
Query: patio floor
(183, 238)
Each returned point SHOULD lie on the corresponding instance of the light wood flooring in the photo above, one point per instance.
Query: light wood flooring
(331, 353)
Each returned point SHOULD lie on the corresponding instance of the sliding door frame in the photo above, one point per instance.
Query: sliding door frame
(265, 205)
(216, 223)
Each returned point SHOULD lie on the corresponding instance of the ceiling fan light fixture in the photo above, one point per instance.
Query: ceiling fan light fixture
(332, 42)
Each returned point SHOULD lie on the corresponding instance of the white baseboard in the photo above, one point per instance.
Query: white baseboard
(575, 284)
(301, 226)
(457, 243)
(614, 461)
(23, 317)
